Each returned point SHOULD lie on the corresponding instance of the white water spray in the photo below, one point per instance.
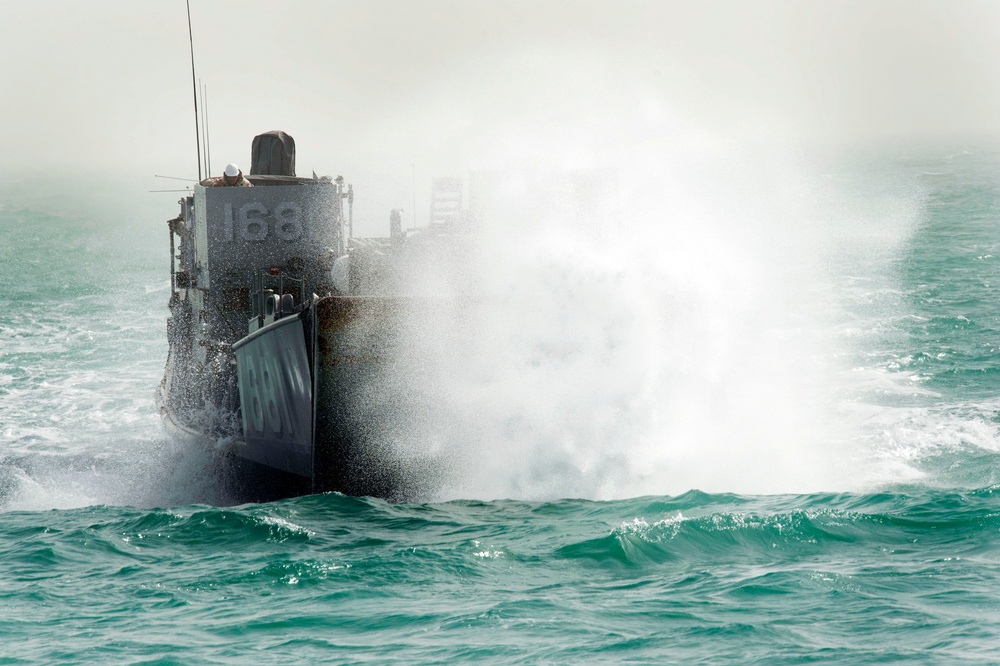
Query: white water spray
(692, 339)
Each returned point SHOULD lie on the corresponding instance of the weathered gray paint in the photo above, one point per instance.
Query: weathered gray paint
(275, 386)
(244, 230)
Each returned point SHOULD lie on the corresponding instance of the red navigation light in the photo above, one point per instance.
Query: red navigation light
(275, 270)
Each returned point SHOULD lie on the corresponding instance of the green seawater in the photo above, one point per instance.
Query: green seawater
(604, 533)
(874, 578)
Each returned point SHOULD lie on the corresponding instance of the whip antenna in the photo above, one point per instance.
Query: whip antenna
(201, 91)
(208, 144)
(194, 85)
(206, 159)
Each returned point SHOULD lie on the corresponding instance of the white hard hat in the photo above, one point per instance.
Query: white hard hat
(232, 170)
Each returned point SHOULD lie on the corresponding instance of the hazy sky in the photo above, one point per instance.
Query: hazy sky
(388, 86)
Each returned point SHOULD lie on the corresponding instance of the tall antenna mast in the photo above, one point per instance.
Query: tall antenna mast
(194, 85)
(208, 144)
(204, 136)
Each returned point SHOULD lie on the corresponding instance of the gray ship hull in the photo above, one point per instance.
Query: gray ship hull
(276, 396)
(283, 336)
(305, 384)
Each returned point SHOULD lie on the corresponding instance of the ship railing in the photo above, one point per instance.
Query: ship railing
(274, 297)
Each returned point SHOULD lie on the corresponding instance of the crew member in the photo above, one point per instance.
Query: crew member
(231, 177)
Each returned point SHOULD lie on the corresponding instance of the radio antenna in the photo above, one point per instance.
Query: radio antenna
(201, 91)
(194, 85)
(172, 178)
(208, 145)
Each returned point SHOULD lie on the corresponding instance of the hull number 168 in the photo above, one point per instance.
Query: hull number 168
(254, 222)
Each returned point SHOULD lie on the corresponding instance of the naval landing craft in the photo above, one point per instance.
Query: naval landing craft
(280, 326)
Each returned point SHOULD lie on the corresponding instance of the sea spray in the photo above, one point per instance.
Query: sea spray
(659, 344)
